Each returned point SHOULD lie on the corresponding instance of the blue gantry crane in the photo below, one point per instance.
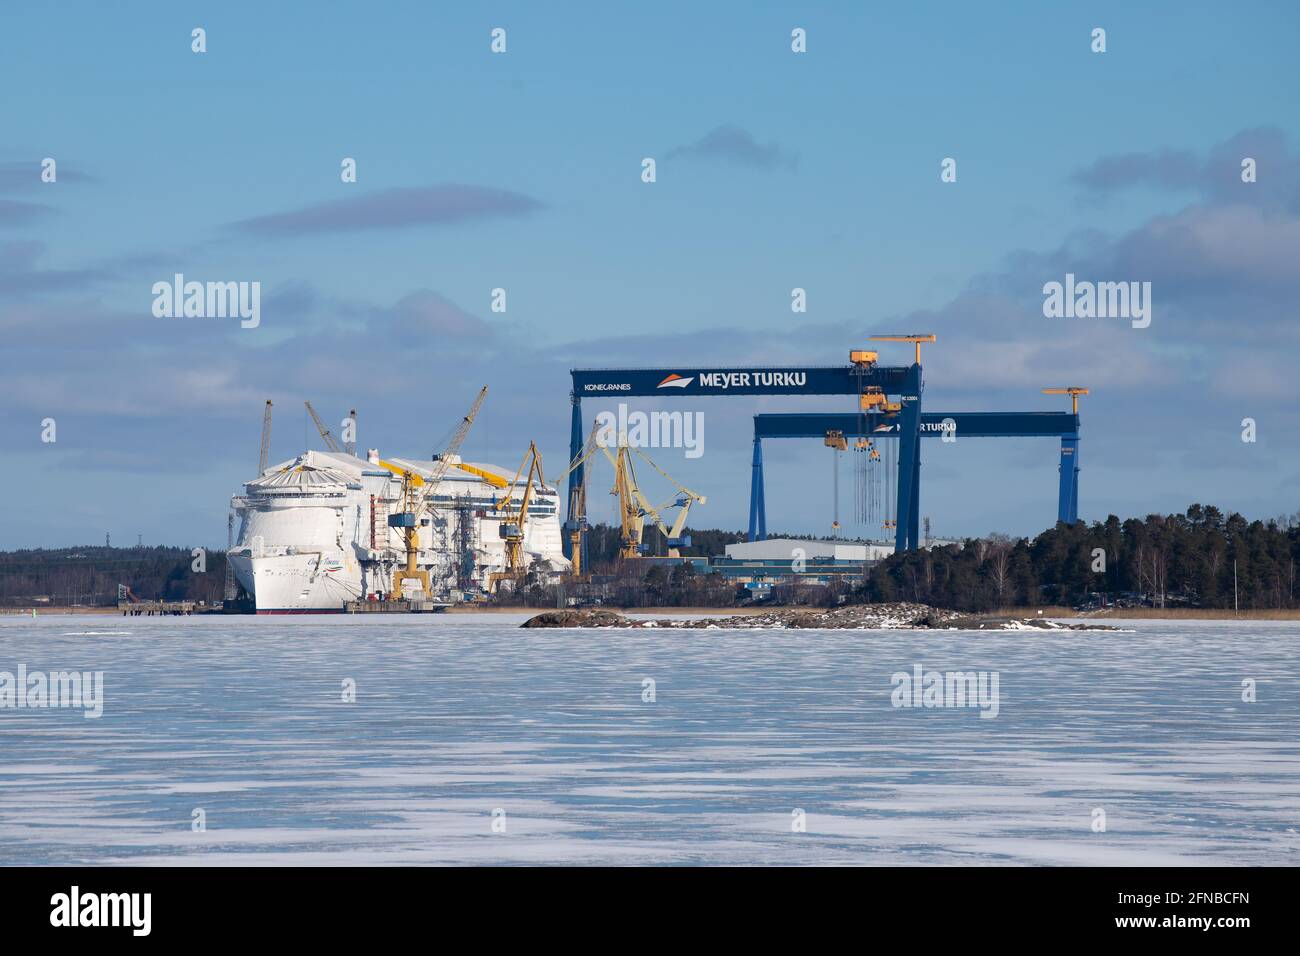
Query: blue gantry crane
(873, 386)
(1063, 425)
(903, 382)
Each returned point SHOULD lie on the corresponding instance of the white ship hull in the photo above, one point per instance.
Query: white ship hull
(292, 583)
(315, 532)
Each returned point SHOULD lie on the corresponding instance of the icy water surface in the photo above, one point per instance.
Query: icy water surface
(460, 716)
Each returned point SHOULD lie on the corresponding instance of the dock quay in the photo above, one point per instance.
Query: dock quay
(152, 608)
(395, 607)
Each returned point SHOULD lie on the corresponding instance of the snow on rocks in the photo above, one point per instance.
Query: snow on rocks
(852, 616)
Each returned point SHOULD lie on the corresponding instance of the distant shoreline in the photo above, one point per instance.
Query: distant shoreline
(1118, 614)
(1193, 614)
(461, 609)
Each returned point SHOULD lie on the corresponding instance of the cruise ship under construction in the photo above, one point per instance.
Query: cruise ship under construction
(328, 528)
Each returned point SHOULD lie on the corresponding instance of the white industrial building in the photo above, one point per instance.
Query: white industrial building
(786, 549)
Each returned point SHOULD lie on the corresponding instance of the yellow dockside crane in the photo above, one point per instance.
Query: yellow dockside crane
(634, 507)
(516, 516)
(416, 491)
(578, 505)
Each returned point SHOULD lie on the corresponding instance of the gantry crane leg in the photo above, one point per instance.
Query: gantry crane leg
(909, 454)
(757, 510)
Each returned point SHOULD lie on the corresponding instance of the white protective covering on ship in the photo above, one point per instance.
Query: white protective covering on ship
(314, 531)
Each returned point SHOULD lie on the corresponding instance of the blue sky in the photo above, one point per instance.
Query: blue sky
(776, 170)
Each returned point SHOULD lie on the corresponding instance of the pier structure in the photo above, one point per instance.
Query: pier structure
(155, 608)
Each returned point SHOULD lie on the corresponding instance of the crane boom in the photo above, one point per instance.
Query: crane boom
(326, 435)
(916, 340)
(1074, 391)
(266, 438)
(453, 448)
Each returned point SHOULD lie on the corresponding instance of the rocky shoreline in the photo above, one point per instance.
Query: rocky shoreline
(849, 617)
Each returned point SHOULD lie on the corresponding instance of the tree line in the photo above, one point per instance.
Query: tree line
(89, 576)
(1202, 558)
(604, 541)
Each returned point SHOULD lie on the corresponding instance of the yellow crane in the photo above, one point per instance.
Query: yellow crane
(577, 524)
(916, 340)
(514, 525)
(631, 519)
(407, 521)
(634, 507)
(1074, 391)
(415, 498)
(516, 515)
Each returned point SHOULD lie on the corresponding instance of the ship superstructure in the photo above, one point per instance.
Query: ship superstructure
(315, 530)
